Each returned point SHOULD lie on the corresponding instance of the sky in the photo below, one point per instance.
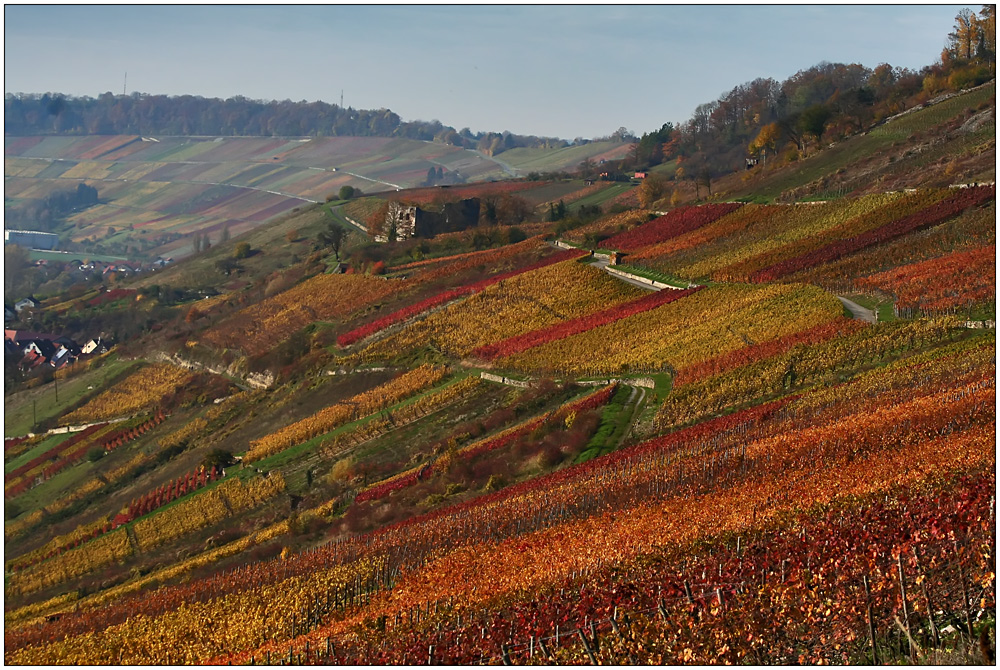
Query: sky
(562, 71)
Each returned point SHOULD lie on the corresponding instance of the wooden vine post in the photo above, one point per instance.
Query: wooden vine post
(586, 647)
(965, 597)
(871, 621)
(906, 609)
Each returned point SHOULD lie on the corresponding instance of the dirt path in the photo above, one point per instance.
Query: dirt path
(636, 410)
(857, 311)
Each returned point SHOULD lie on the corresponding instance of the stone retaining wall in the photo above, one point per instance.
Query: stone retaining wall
(645, 382)
(490, 377)
(655, 284)
(260, 380)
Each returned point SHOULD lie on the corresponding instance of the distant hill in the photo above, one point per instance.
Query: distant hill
(156, 192)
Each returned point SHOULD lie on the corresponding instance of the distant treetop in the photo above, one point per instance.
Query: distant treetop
(144, 114)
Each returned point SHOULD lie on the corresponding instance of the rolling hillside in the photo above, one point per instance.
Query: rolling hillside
(747, 419)
(163, 190)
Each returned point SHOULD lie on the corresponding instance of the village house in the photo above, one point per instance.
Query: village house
(30, 350)
(26, 303)
(98, 346)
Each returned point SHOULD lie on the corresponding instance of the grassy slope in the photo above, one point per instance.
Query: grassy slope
(18, 407)
(552, 160)
(876, 152)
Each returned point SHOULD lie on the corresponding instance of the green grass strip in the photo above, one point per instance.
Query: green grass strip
(288, 455)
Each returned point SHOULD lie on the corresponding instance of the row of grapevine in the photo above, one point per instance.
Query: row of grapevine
(534, 338)
(796, 470)
(202, 510)
(803, 364)
(505, 259)
(34, 466)
(668, 226)
(840, 220)
(258, 328)
(940, 285)
(138, 391)
(741, 357)
(38, 613)
(741, 244)
(445, 297)
(89, 556)
(609, 225)
(591, 401)
(947, 429)
(794, 591)
(205, 509)
(953, 205)
(971, 229)
(60, 544)
(109, 440)
(243, 619)
(125, 434)
(166, 493)
(528, 301)
(27, 522)
(457, 260)
(390, 420)
(498, 441)
(10, 444)
(718, 319)
(336, 415)
(691, 246)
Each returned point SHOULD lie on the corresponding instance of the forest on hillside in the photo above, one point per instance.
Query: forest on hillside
(824, 103)
(145, 114)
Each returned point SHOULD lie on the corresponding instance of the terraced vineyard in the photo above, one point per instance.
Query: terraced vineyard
(470, 449)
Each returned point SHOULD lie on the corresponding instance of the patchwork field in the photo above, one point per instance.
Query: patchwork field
(162, 188)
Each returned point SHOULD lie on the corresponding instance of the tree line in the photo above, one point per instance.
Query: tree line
(145, 114)
(829, 101)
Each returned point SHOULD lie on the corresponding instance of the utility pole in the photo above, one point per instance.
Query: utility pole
(125, 84)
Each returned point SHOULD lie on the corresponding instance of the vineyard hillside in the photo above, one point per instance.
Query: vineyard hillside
(604, 424)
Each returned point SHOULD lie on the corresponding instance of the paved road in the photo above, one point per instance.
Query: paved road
(857, 310)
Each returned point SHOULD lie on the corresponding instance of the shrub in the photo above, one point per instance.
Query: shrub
(218, 457)
(341, 472)
(242, 250)
(494, 483)
(515, 235)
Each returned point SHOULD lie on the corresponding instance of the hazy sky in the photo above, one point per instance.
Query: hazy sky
(558, 70)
